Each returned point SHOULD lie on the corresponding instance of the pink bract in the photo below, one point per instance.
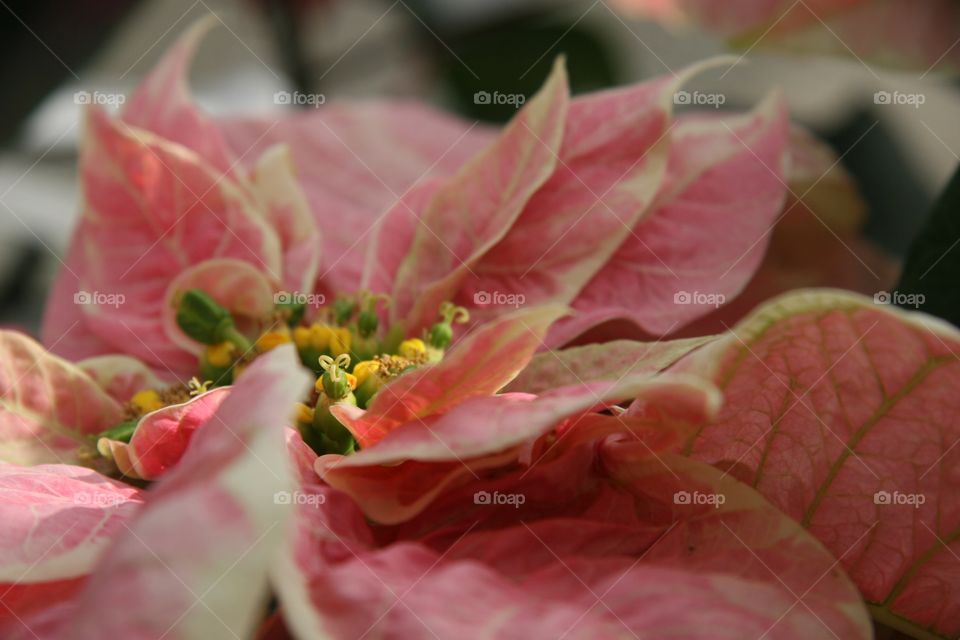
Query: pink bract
(249, 207)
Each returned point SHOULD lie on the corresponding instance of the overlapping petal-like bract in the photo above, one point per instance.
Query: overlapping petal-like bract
(545, 531)
(911, 33)
(845, 415)
(191, 562)
(607, 202)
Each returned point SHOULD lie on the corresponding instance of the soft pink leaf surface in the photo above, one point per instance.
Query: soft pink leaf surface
(282, 199)
(480, 364)
(394, 234)
(162, 103)
(120, 376)
(57, 520)
(193, 563)
(391, 480)
(48, 406)
(844, 414)
(476, 208)
(151, 210)
(725, 180)
(162, 436)
(606, 361)
(354, 162)
(598, 548)
(609, 168)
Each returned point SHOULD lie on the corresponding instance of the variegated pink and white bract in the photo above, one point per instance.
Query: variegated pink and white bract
(507, 490)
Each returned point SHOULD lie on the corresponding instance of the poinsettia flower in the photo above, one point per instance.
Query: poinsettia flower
(609, 202)
(86, 556)
(544, 515)
(895, 32)
(844, 414)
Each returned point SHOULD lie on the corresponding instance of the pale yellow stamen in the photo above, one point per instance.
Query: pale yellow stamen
(196, 387)
(304, 413)
(273, 339)
(363, 370)
(412, 349)
(222, 354)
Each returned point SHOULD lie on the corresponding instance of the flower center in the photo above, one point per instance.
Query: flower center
(345, 345)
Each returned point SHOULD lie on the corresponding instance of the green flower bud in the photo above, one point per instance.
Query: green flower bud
(440, 335)
(333, 436)
(201, 318)
(343, 310)
(367, 323)
(335, 387)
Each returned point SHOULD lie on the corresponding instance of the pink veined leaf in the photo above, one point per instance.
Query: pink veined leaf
(162, 436)
(163, 106)
(597, 548)
(485, 432)
(393, 236)
(354, 162)
(844, 414)
(57, 520)
(607, 361)
(160, 209)
(48, 406)
(156, 581)
(281, 198)
(481, 364)
(475, 209)
(121, 376)
(823, 210)
(707, 229)
(610, 166)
